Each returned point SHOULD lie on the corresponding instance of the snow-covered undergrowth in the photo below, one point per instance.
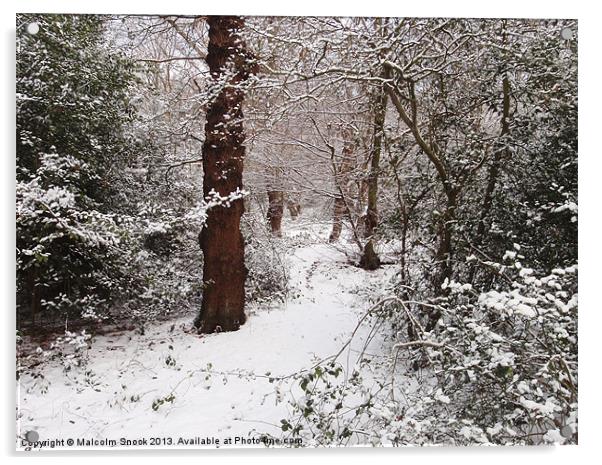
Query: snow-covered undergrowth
(172, 383)
(498, 367)
(342, 357)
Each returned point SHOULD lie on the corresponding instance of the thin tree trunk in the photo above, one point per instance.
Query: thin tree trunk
(36, 300)
(361, 203)
(493, 174)
(341, 179)
(224, 270)
(494, 168)
(370, 260)
(443, 257)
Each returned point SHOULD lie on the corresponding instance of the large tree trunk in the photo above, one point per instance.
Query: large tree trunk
(370, 260)
(222, 243)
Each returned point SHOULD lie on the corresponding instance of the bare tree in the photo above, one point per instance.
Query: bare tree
(370, 260)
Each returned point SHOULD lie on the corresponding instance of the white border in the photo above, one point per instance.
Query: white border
(461, 8)
(590, 323)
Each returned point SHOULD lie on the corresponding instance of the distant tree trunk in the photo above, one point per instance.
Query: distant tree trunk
(341, 178)
(337, 219)
(370, 260)
(224, 270)
(275, 211)
(294, 207)
(361, 204)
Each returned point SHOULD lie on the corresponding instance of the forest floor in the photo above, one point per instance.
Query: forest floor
(172, 383)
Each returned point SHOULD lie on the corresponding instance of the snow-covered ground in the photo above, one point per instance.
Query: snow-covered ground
(171, 383)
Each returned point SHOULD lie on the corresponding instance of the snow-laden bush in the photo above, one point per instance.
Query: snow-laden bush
(500, 367)
(66, 247)
(267, 278)
(73, 142)
(166, 270)
(75, 261)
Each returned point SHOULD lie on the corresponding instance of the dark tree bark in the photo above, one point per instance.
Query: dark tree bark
(224, 270)
(499, 154)
(275, 211)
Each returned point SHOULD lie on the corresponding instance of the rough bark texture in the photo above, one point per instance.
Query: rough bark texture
(224, 271)
(370, 260)
(275, 211)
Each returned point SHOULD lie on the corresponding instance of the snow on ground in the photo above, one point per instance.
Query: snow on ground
(170, 383)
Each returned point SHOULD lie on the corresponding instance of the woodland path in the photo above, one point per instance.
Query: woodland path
(171, 383)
